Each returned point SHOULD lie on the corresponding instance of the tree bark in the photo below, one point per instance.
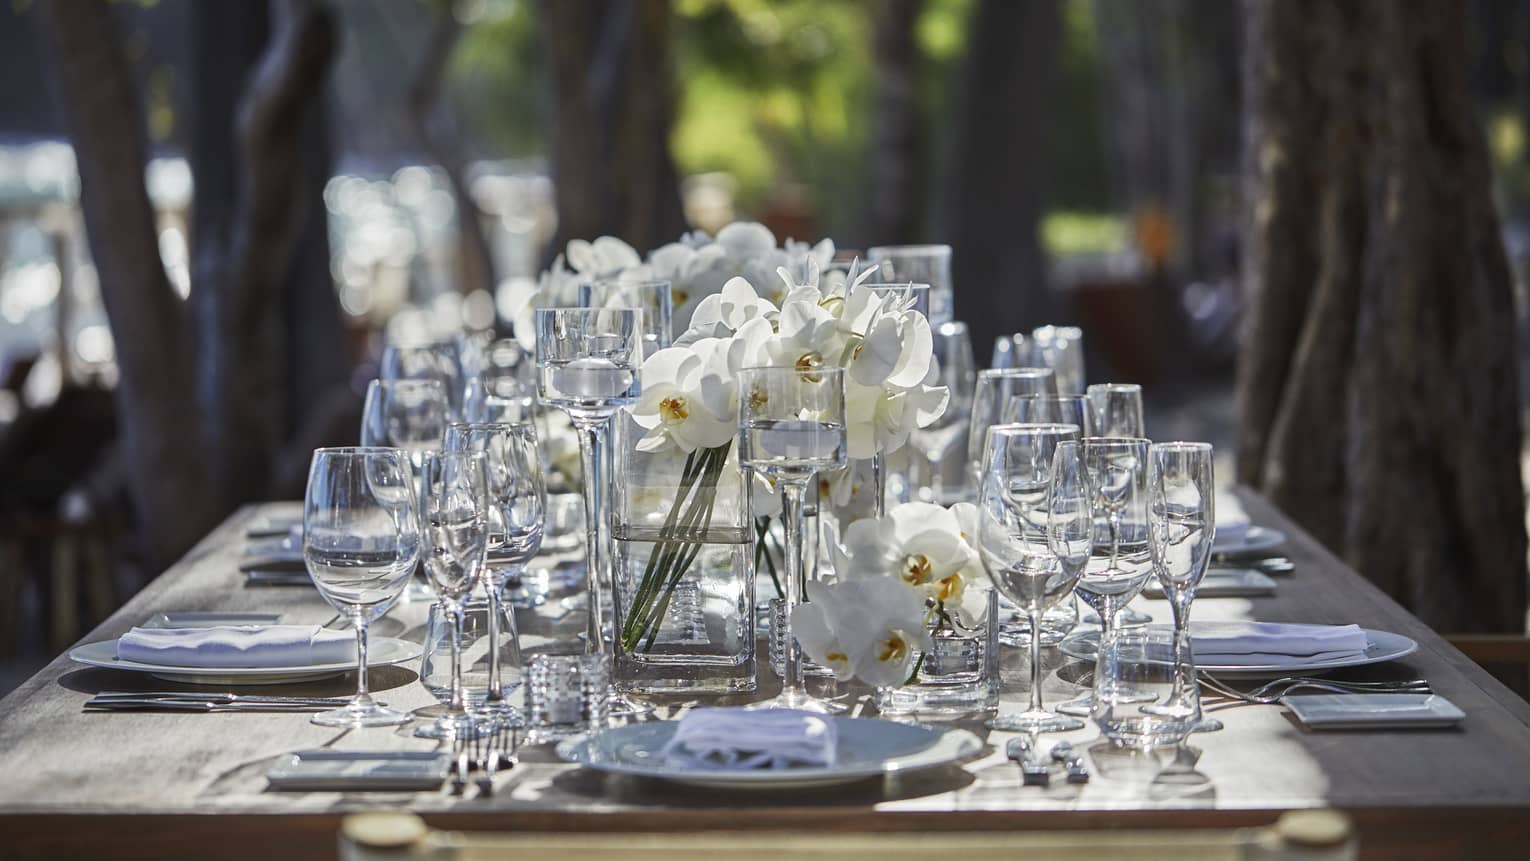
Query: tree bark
(994, 198)
(613, 108)
(1378, 384)
(149, 325)
(895, 203)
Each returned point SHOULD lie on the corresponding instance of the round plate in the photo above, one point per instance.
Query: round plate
(381, 652)
(868, 747)
(1381, 646)
(1255, 540)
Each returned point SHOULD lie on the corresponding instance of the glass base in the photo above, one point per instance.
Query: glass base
(1035, 721)
(800, 700)
(502, 714)
(1079, 706)
(361, 714)
(467, 725)
(1206, 725)
(621, 705)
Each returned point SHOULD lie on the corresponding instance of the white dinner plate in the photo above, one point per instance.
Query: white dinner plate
(381, 652)
(1374, 711)
(1381, 646)
(867, 747)
(1256, 540)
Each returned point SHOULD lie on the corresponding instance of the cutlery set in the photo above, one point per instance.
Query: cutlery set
(486, 755)
(1272, 692)
(1036, 771)
(192, 701)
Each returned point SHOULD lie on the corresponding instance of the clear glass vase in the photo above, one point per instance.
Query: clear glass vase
(684, 569)
(958, 675)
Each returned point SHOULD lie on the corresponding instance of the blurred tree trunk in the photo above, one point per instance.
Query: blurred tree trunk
(1378, 384)
(895, 203)
(160, 435)
(994, 196)
(613, 108)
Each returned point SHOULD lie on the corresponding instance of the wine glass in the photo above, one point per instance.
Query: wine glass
(923, 264)
(653, 297)
(454, 531)
(912, 295)
(438, 361)
(1010, 351)
(995, 388)
(517, 511)
(1035, 530)
(1061, 348)
(1181, 529)
(956, 370)
(1051, 409)
(408, 414)
(588, 364)
(1117, 409)
(792, 426)
(500, 399)
(361, 541)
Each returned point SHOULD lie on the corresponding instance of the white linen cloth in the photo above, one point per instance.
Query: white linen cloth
(1272, 642)
(238, 646)
(1232, 520)
(736, 739)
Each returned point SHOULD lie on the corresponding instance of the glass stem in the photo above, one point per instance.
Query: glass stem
(496, 692)
(792, 492)
(458, 705)
(592, 448)
(363, 695)
(1115, 537)
(1035, 620)
(1179, 606)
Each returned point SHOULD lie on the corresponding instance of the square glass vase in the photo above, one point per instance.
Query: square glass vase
(683, 566)
(958, 675)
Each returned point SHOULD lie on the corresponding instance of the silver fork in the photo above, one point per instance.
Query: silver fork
(1271, 693)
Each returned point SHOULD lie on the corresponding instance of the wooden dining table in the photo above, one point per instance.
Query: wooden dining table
(176, 785)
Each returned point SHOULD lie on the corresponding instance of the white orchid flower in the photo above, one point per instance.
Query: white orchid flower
(917, 543)
(813, 624)
(604, 257)
(807, 339)
(747, 239)
(882, 631)
(673, 407)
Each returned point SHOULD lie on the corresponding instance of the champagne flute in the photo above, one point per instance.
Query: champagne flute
(361, 541)
(588, 364)
(792, 426)
(1117, 409)
(454, 531)
(1181, 529)
(1034, 535)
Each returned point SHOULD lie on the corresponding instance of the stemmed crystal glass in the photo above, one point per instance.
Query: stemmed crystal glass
(406, 414)
(361, 541)
(995, 389)
(1035, 531)
(654, 297)
(440, 361)
(791, 427)
(1060, 348)
(454, 531)
(1051, 409)
(1181, 529)
(1117, 409)
(956, 370)
(588, 364)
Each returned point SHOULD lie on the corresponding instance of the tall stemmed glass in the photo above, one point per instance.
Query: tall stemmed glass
(588, 364)
(361, 541)
(1052, 409)
(454, 531)
(1117, 409)
(995, 388)
(792, 426)
(438, 361)
(957, 371)
(1061, 348)
(517, 512)
(1035, 531)
(1181, 528)
(406, 414)
(654, 297)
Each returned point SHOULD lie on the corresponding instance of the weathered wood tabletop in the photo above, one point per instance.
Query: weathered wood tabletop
(193, 785)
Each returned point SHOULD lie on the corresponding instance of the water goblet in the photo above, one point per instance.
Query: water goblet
(588, 364)
(440, 361)
(1034, 535)
(1117, 409)
(406, 414)
(361, 541)
(923, 264)
(1051, 409)
(1060, 348)
(454, 530)
(792, 426)
(1181, 529)
(995, 388)
(516, 515)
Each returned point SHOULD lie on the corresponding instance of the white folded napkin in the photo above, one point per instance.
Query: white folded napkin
(1272, 642)
(736, 738)
(1232, 520)
(238, 646)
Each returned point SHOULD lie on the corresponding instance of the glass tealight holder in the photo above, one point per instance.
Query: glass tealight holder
(566, 695)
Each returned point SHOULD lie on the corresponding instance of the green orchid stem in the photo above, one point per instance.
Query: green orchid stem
(762, 534)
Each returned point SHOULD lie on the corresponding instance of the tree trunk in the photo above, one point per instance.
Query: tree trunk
(994, 197)
(1377, 384)
(895, 203)
(94, 84)
(613, 108)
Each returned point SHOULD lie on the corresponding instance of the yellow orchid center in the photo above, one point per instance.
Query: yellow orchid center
(824, 488)
(916, 569)
(758, 399)
(894, 648)
(679, 297)
(834, 305)
(835, 657)
(948, 587)
(674, 410)
(807, 364)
